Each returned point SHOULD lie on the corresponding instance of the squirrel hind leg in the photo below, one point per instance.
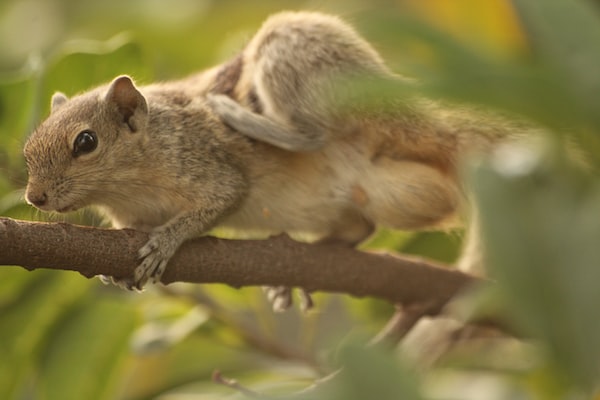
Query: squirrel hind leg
(351, 230)
(411, 195)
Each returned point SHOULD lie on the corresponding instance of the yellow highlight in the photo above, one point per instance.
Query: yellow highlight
(491, 24)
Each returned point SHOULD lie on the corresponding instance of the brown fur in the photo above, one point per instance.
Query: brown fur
(257, 144)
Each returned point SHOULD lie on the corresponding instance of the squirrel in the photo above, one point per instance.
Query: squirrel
(260, 143)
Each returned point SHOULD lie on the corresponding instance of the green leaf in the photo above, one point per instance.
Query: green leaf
(541, 223)
(566, 34)
(18, 116)
(441, 246)
(27, 313)
(84, 355)
(83, 64)
(371, 374)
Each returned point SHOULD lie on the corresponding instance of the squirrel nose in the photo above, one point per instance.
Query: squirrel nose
(38, 200)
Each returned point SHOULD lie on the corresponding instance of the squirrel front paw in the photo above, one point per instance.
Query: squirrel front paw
(154, 256)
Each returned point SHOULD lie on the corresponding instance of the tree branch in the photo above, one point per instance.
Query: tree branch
(275, 261)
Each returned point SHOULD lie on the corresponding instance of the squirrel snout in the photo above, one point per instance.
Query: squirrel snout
(37, 199)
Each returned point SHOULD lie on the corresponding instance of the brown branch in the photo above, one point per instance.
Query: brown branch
(275, 261)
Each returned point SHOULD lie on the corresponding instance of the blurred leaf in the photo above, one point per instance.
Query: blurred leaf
(18, 116)
(566, 35)
(84, 354)
(541, 223)
(387, 239)
(13, 284)
(440, 246)
(188, 362)
(157, 335)
(82, 64)
(490, 24)
(371, 374)
(12, 204)
(27, 313)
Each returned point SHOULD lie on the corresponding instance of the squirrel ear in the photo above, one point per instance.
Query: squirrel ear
(58, 99)
(129, 102)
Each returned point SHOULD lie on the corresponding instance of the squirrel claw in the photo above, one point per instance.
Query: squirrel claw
(123, 283)
(105, 279)
(154, 256)
(160, 269)
(151, 269)
(280, 297)
(281, 300)
(140, 276)
(147, 249)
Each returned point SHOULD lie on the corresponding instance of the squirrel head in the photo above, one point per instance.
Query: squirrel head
(83, 148)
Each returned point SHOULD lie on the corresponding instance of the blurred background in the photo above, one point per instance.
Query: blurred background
(65, 337)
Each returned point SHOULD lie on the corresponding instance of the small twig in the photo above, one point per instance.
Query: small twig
(217, 377)
(315, 386)
(403, 320)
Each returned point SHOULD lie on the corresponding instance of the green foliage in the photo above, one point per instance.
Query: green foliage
(63, 337)
(566, 35)
(92, 337)
(29, 310)
(545, 257)
(373, 374)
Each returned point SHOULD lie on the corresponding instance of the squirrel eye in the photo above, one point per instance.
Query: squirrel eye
(85, 142)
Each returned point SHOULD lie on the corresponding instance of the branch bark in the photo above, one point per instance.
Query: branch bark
(274, 261)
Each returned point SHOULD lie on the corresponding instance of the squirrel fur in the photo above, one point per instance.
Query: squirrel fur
(257, 144)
